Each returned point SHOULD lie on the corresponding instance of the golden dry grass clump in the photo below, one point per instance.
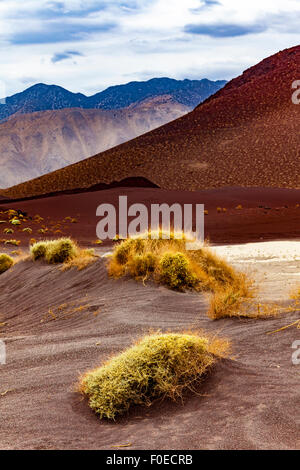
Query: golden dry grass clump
(168, 262)
(6, 262)
(60, 251)
(158, 366)
(234, 301)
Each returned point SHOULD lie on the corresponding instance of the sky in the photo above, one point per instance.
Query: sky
(86, 46)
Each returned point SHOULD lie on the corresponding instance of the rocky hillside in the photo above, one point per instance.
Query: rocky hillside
(38, 143)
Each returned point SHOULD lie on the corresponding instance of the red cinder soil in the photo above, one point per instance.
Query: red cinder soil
(266, 213)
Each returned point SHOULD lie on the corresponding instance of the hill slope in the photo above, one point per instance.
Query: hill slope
(245, 135)
(43, 97)
(35, 144)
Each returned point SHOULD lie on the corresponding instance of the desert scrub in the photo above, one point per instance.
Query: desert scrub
(27, 230)
(226, 303)
(176, 272)
(214, 266)
(59, 251)
(15, 222)
(82, 259)
(167, 261)
(63, 251)
(54, 251)
(12, 242)
(142, 266)
(158, 366)
(6, 262)
(98, 242)
(38, 250)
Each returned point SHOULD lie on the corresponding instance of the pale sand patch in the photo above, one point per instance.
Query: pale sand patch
(273, 251)
(274, 265)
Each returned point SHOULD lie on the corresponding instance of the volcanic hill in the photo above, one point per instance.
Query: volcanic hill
(247, 135)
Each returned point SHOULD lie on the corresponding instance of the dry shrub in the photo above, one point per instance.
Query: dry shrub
(158, 366)
(98, 242)
(61, 251)
(15, 222)
(6, 262)
(141, 266)
(240, 302)
(38, 250)
(54, 251)
(176, 271)
(231, 303)
(12, 242)
(228, 302)
(82, 260)
(167, 261)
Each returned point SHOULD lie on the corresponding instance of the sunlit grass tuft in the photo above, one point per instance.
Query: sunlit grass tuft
(158, 366)
(62, 251)
(6, 262)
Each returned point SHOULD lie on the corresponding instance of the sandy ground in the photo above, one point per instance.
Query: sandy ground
(250, 401)
(56, 325)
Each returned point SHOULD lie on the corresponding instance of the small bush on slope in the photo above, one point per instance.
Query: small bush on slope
(38, 250)
(6, 262)
(159, 365)
(169, 262)
(82, 259)
(176, 271)
(63, 250)
(54, 251)
(59, 251)
(225, 303)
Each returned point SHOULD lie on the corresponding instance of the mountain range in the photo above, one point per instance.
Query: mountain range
(41, 97)
(244, 135)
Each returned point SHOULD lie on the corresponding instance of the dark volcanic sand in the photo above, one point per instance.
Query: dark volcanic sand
(234, 226)
(248, 402)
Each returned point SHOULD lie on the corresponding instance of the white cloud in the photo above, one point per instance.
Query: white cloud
(116, 41)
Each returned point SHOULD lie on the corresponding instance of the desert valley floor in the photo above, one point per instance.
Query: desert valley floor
(249, 401)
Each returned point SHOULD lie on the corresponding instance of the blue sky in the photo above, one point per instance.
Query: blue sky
(88, 45)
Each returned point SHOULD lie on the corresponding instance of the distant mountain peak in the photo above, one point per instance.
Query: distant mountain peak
(43, 97)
